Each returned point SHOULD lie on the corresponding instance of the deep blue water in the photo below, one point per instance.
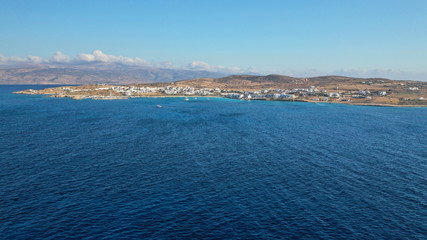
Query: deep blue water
(209, 169)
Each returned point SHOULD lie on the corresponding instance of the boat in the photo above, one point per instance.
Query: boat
(186, 99)
(159, 106)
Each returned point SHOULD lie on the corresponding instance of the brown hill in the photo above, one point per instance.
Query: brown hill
(253, 82)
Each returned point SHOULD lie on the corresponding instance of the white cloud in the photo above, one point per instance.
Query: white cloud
(85, 57)
(99, 56)
(3, 59)
(164, 64)
(35, 59)
(59, 57)
(203, 66)
(11, 60)
(199, 65)
(228, 69)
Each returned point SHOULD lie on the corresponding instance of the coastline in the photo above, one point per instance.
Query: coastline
(106, 97)
(365, 104)
(312, 94)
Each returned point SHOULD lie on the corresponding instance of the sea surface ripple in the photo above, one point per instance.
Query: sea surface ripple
(209, 169)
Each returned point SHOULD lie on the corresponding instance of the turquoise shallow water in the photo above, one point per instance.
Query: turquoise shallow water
(209, 169)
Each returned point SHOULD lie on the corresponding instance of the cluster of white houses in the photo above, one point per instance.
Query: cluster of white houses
(279, 94)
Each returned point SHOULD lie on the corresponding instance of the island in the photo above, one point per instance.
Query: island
(331, 89)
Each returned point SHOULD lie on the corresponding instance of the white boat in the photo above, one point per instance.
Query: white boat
(186, 99)
(159, 106)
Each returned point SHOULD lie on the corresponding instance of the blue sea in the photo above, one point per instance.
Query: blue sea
(209, 168)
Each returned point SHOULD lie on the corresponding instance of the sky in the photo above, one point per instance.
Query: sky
(368, 38)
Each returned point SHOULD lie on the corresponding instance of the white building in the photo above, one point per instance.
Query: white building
(334, 95)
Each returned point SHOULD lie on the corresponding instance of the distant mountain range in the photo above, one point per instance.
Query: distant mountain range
(77, 74)
(114, 73)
